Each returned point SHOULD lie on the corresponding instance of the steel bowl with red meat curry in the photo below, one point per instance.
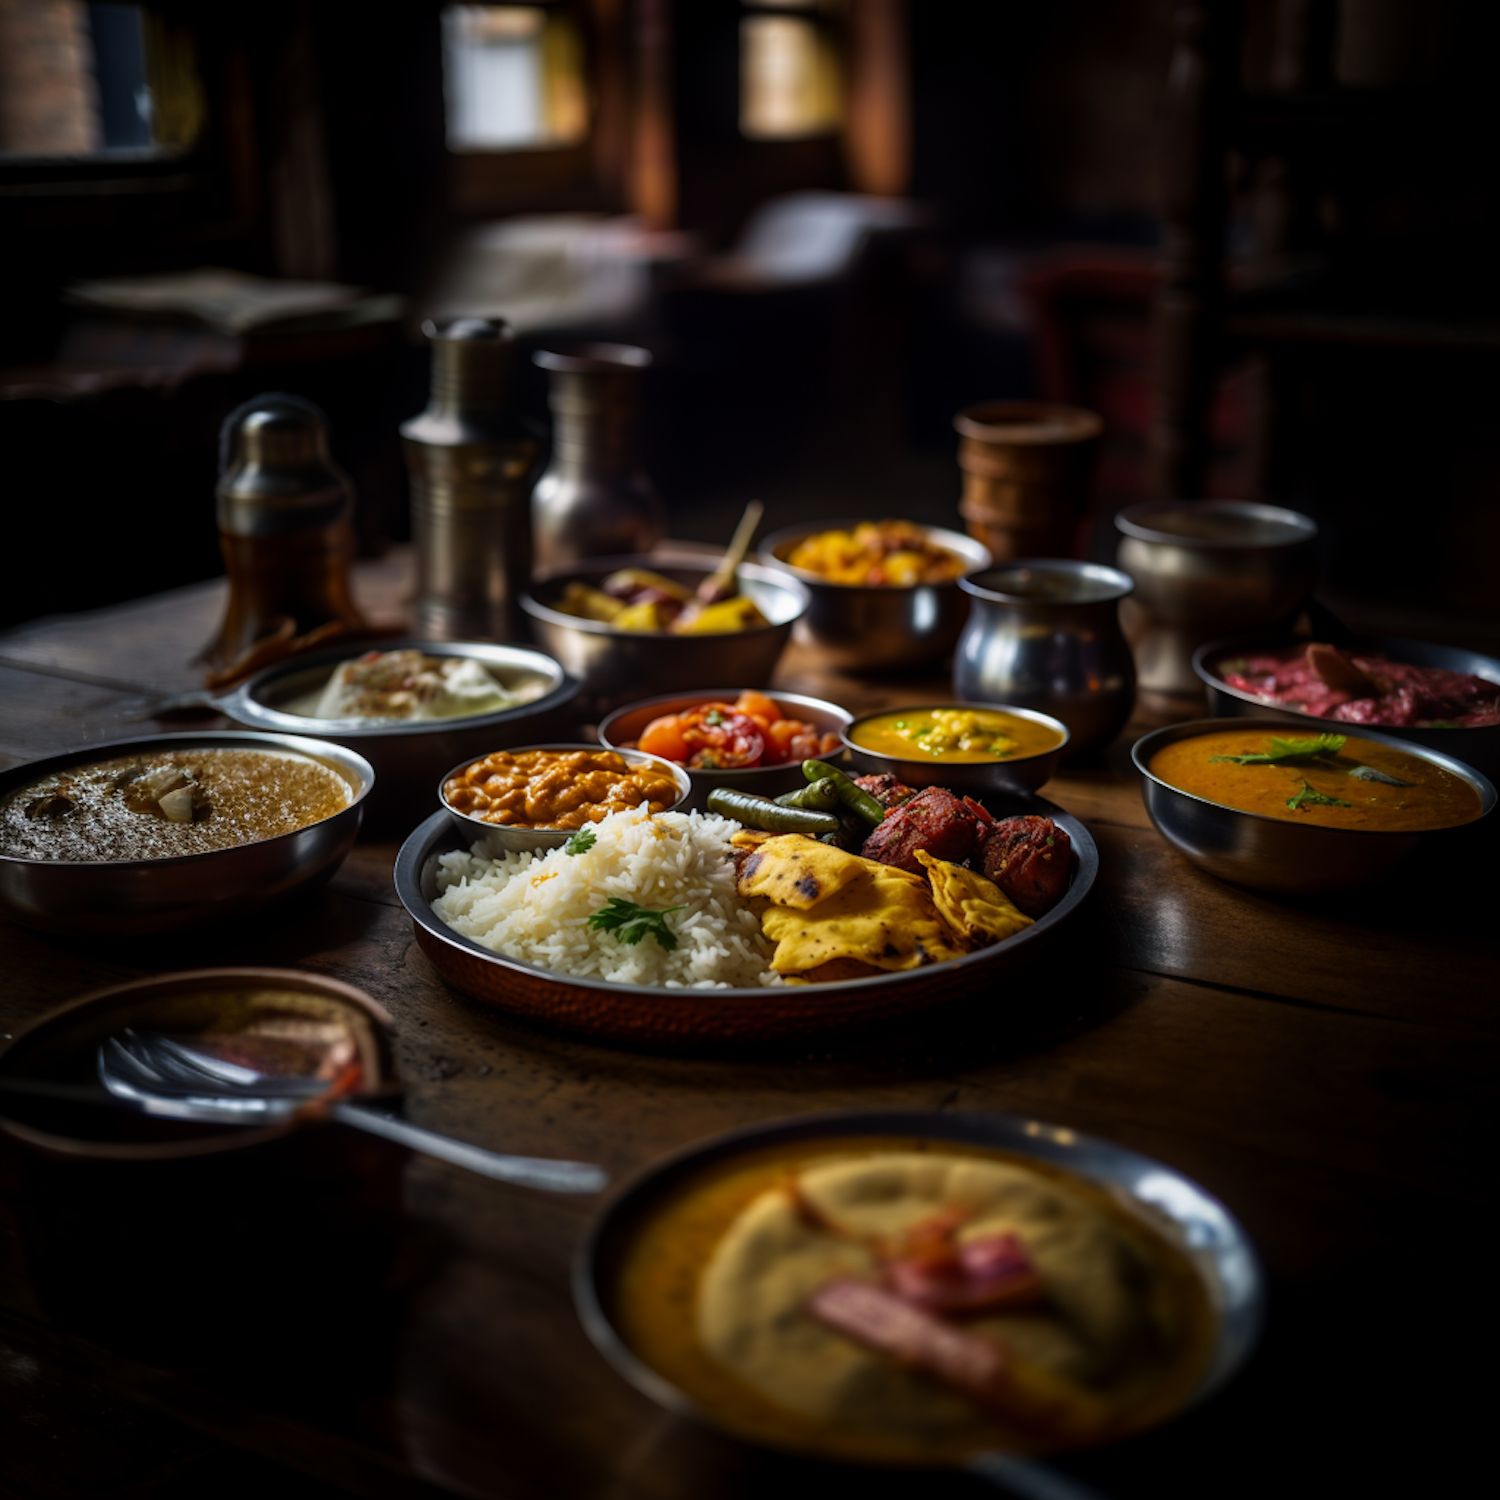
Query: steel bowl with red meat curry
(1364, 687)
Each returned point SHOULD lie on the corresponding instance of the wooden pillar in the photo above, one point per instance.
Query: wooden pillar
(1188, 316)
(877, 129)
(1286, 193)
(653, 166)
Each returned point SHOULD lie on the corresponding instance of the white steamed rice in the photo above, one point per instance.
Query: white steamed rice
(536, 907)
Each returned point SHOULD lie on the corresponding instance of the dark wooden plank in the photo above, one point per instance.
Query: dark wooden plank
(1421, 952)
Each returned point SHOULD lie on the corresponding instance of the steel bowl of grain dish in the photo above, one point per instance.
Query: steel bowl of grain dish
(143, 836)
(1303, 811)
(628, 626)
(884, 594)
(1444, 698)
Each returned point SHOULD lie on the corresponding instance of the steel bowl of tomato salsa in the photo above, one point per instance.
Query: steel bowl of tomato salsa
(741, 738)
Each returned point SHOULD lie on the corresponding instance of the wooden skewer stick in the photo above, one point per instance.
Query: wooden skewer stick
(720, 584)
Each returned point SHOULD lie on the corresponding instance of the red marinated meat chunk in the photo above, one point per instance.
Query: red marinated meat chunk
(934, 820)
(885, 789)
(1028, 858)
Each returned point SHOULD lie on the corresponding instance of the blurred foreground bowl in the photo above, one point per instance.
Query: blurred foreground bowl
(183, 1241)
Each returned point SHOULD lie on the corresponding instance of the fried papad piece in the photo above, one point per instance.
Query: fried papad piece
(753, 838)
(794, 870)
(975, 908)
(885, 918)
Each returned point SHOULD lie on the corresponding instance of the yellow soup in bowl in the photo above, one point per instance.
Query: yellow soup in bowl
(1332, 780)
(957, 734)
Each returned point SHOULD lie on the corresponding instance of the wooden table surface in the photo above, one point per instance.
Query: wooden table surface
(1325, 1068)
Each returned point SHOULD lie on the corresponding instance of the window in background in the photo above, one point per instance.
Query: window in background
(513, 77)
(790, 83)
(101, 81)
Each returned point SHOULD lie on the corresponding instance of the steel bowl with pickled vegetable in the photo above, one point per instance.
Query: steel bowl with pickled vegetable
(660, 642)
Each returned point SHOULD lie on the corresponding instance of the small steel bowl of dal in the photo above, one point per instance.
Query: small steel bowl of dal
(626, 725)
(1292, 850)
(889, 741)
(512, 838)
(123, 891)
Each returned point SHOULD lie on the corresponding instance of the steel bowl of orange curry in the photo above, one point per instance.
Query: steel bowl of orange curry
(1265, 805)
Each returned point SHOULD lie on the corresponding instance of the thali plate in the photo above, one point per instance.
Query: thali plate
(651, 1017)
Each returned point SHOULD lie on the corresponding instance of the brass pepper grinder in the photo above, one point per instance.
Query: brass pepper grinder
(472, 458)
(286, 531)
(595, 499)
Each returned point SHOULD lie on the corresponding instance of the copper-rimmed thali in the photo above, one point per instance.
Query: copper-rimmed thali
(660, 1017)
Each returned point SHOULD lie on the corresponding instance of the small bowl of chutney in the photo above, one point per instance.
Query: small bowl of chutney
(970, 748)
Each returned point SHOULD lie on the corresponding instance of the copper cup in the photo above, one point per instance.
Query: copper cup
(1026, 467)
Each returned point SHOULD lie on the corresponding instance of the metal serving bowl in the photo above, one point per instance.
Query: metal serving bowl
(1275, 854)
(975, 778)
(137, 1228)
(1204, 568)
(130, 898)
(1479, 748)
(1167, 1203)
(629, 723)
(503, 839)
(878, 628)
(617, 666)
(406, 756)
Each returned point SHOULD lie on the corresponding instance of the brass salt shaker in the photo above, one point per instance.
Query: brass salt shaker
(286, 526)
(472, 458)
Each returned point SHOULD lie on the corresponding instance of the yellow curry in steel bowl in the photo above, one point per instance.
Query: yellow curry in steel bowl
(893, 1298)
(973, 749)
(958, 735)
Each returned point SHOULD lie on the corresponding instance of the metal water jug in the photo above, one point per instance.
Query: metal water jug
(472, 458)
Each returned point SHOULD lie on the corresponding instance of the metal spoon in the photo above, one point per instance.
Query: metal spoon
(164, 1076)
